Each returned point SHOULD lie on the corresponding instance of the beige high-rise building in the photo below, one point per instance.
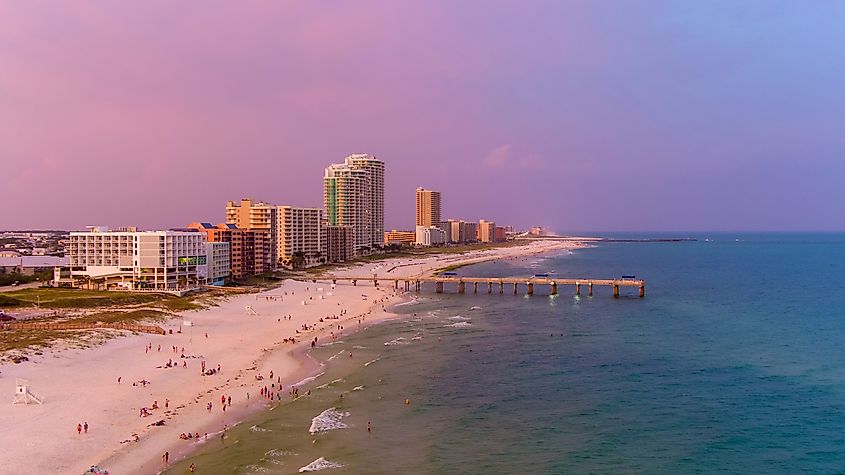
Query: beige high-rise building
(462, 231)
(249, 214)
(428, 207)
(353, 195)
(301, 235)
(486, 231)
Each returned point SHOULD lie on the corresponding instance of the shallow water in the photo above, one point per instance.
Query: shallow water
(732, 363)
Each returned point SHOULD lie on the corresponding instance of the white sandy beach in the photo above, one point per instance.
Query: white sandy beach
(81, 386)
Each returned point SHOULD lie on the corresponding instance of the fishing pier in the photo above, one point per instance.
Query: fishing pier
(499, 283)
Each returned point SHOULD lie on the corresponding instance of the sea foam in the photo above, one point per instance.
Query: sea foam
(319, 464)
(396, 341)
(459, 325)
(309, 379)
(368, 363)
(330, 419)
(278, 453)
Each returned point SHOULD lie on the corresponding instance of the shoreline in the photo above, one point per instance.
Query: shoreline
(309, 370)
(246, 345)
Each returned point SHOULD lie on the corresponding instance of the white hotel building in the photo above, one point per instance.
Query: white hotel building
(430, 236)
(218, 262)
(147, 260)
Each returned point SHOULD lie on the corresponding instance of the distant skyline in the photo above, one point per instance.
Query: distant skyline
(576, 116)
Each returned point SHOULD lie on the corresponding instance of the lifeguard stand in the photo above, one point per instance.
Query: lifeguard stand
(23, 393)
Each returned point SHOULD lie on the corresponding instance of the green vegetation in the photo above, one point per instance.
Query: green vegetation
(451, 268)
(132, 316)
(23, 339)
(6, 301)
(9, 279)
(75, 298)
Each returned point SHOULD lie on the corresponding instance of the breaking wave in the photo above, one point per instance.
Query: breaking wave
(319, 464)
(397, 341)
(330, 419)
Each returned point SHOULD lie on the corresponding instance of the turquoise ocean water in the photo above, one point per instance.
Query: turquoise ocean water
(733, 363)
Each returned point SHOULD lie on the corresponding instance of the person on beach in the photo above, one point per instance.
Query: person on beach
(85, 427)
(79, 429)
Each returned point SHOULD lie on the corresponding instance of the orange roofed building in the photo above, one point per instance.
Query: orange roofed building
(251, 250)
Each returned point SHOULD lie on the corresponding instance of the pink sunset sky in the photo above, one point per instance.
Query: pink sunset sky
(574, 115)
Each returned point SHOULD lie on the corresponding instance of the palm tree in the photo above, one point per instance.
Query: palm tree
(297, 259)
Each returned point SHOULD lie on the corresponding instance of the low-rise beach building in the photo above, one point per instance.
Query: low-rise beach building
(218, 262)
(399, 237)
(146, 260)
(430, 236)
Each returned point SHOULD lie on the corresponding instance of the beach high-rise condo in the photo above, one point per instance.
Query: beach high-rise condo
(251, 214)
(339, 245)
(353, 195)
(428, 207)
(249, 249)
(486, 231)
(301, 236)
